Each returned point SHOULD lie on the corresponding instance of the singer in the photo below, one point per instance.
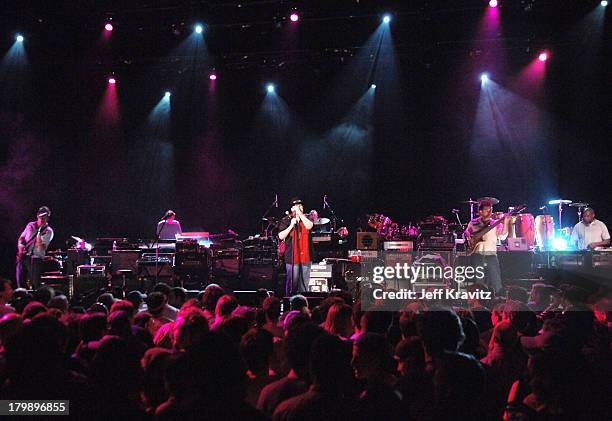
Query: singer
(168, 227)
(295, 231)
(31, 248)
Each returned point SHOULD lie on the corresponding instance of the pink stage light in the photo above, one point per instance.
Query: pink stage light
(108, 27)
(294, 17)
(213, 76)
(493, 3)
(543, 56)
(112, 80)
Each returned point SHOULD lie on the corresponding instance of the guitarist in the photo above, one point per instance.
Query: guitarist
(485, 253)
(31, 248)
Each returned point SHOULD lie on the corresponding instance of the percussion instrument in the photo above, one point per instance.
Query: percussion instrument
(523, 225)
(544, 231)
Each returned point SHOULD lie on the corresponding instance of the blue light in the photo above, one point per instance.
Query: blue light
(386, 19)
(199, 28)
(604, 3)
(270, 87)
(373, 86)
(19, 38)
(167, 94)
(484, 77)
(559, 244)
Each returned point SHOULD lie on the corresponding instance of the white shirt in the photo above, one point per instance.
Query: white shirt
(489, 240)
(584, 234)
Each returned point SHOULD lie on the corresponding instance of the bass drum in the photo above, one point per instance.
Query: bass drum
(544, 231)
(523, 225)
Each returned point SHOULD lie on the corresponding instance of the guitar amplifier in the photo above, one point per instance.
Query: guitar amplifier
(367, 241)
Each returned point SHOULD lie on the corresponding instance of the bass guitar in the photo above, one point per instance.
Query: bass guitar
(476, 237)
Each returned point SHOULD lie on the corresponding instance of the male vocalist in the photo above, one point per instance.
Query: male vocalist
(295, 231)
(485, 253)
(590, 233)
(168, 227)
(31, 248)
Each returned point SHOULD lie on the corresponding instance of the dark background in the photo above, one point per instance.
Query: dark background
(226, 151)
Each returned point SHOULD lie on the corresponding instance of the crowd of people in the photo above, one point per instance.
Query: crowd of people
(539, 355)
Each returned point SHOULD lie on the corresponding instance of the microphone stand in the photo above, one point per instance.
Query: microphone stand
(273, 205)
(333, 214)
(156, 243)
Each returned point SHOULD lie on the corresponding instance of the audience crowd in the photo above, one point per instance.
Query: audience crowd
(543, 355)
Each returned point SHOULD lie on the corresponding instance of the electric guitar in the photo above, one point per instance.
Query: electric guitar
(24, 249)
(476, 237)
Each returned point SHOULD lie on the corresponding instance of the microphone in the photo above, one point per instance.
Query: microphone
(324, 201)
(542, 207)
(276, 200)
(455, 211)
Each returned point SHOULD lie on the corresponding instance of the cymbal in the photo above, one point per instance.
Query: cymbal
(321, 221)
(469, 202)
(559, 201)
(492, 200)
(579, 204)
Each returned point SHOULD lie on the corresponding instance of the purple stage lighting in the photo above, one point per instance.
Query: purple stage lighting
(212, 76)
(294, 17)
(108, 27)
(484, 77)
(112, 80)
(543, 56)
(493, 3)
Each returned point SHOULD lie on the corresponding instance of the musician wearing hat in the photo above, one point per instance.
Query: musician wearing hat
(485, 251)
(295, 231)
(31, 248)
(590, 233)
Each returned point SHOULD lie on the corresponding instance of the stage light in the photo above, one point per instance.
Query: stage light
(270, 87)
(19, 38)
(112, 80)
(484, 77)
(493, 3)
(108, 27)
(604, 3)
(543, 56)
(373, 86)
(294, 17)
(559, 244)
(199, 28)
(167, 94)
(212, 76)
(386, 18)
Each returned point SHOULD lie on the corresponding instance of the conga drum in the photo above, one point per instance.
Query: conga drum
(544, 231)
(524, 226)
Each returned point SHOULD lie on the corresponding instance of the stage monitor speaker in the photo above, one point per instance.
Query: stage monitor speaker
(252, 298)
(123, 260)
(259, 276)
(367, 241)
(86, 284)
